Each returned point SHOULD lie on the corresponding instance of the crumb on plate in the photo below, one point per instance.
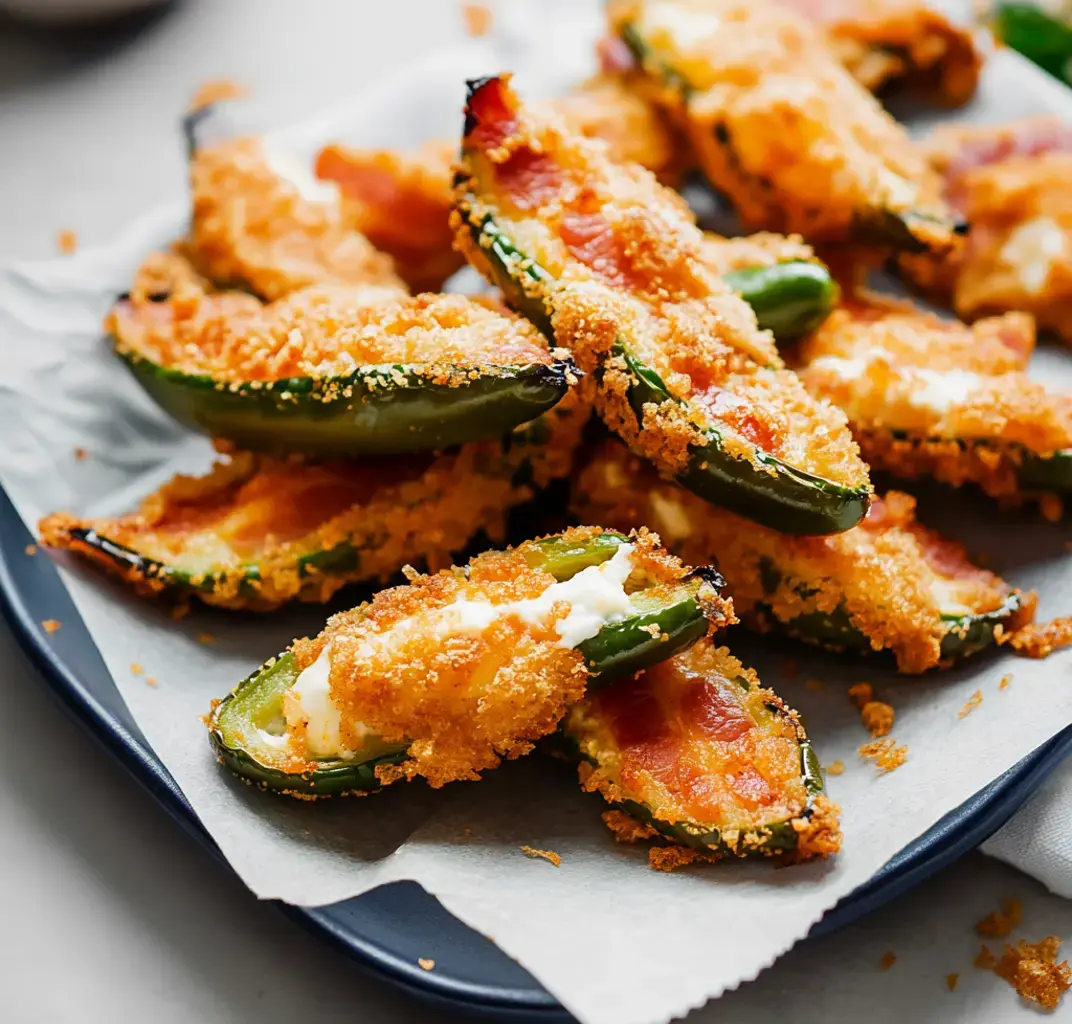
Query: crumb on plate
(81, 454)
(150, 680)
(877, 718)
(31, 549)
(426, 964)
(549, 855)
(886, 754)
(136, 668)
(1040, 639)
(67, 242)
(861, 694)
(888, 960)
(1005, 680)
(1032, 969)
(951, 981)
(835, 768)
(206, 639)
(1000, 923)
(478, 19)
(51, 625)
(973, 702)
(216, 90)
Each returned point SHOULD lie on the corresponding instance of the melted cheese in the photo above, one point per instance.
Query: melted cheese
(683, 27)
(937, 390)
(1032, 249)
(588, 601)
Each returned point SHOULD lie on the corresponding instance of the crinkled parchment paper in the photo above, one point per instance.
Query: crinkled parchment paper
(613, 940)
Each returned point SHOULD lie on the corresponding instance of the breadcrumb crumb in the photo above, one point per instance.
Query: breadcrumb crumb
(861, 694)
(1032, 969)
(51, 625)
(886, 754)
(150, 681)
(626, 828)
(1000, 923)
(815, 685)
(180, 611)
(206, 639)
(877, 718)
(887, 961)
(549, 855)
(951, 981)
(1040, 639)
(81, 454)
(835, 768)
(136, 669)
(1005, 680)
(216, 90)
(478, 19)
(426, 964)
(67, 241)
(973, 702)
(984, 959)
(31, 549)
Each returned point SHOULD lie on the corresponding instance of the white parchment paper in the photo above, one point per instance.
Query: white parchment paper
(614, 941)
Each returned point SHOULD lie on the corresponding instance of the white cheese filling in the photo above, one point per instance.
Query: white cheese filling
(1032, 249)
(595, 597)
(684, 28)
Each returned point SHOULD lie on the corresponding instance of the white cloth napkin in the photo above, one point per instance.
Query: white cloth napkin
(1038, 840)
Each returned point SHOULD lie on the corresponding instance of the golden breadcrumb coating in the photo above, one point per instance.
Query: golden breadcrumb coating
(927, 397)
(462, 701)
(253, 512)
(895, 43)
(1041, 639)
(625, 265)
(253, 227)
(891, 576)
(780, 127)
(323, 331)
(1010, 181)
(763, 249)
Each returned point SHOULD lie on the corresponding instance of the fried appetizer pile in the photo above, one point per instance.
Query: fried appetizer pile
(254, 228)
(928, 397)
(780, 127)
(894, 44)
(697, 752)
(1011, 182)
(449, 674)
(610, 263)
(337, 370)
(257, 532)
(889, 584)
(401, 201)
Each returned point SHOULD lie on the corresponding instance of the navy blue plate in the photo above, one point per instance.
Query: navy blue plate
(387, 929)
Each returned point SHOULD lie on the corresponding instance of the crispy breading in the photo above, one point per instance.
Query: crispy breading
(898, 43)
(890, 575)
(626, 265)
(779, 126)
(931, 397)
(1041, 639)
(763, 249)
(1001, 923)
(462, 701)
(1032, 969)
(251, 226)
(1010, 181)
(241, 536)
(323, 331)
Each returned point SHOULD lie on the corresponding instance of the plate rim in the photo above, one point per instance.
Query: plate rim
(960, 831)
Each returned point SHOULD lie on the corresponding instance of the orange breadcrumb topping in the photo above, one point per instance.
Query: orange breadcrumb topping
(886, 754)
(251, 226)
(973, 702)
(887, 961)
(626, 269)
(425, 964)
(462, 701)
(1039, 640)
(51, 625)
(885, 43)
(779, 126)
(255, 510)
(478, 19)
(1001, 923)
(777, 578)
(835, 768)
(323, 332)
(951, 981)
(67, 242)
(1032, 969)
(548, 855)
(216, 90)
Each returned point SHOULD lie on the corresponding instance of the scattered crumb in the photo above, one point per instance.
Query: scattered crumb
(861, 694)
(425, 965)
(626, 828)
(670, 858)
(150, 680)
(835, 768)
(1000, 923)
(653, 629)
(1032, 969)
(815, 685)
(216, 90)
(136, 669)
(51, 625)
(973, 702)
(81, 454)
(180, 611)
(1005, 680)
(887, 961)
(951, 981)
(67, 241)
(1052, 508)
(1039, 639)
(478, 19)
(531, 851)
(468, 830)
(790, 667)
(206, 638)
(985, 960)
(31, 549)
(877, 718)
(885, 753)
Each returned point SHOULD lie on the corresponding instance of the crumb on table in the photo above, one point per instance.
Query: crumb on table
(51, 625)
(1040, 639)
(835, 768)
(81, 454)
(861, 694)
(31, 549)
(973, 702)
(984, 959)
(1000, 923)
(548, 855)
(877, 718)
(216, 90)
(478, 19)
(886, 754)
(888, 960)
(1005, 680)
(1032, 969)
(136, 668)
(67, 242)
(206, 639)
(951, 981)
(425, 964)
(150, 680)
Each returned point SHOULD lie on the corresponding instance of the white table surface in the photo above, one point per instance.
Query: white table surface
(112, 914)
